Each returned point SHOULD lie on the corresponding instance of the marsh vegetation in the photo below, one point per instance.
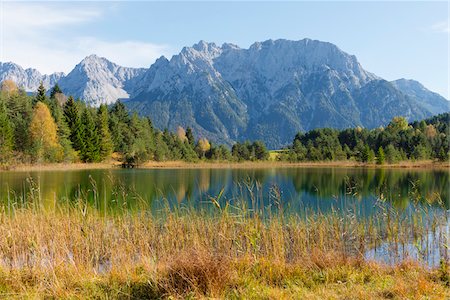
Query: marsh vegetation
(242, 246)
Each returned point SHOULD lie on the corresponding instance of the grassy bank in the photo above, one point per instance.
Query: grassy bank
(227, 252)
(226, 165)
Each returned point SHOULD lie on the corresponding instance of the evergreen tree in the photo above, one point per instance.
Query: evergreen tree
(20, 111)
(91, 150)
(161, 150)
(6, 134)
(392, 154)
(106, 144)
(119, 124)
(73, 120)
(63, 132)
(55, 90)
(40, 96)
(190, 137)
(142, 147)
(260, 151)
(380, 156)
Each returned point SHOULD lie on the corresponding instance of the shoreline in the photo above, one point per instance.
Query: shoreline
(428, 164)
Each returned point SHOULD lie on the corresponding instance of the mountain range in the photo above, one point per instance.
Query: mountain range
(268, 92)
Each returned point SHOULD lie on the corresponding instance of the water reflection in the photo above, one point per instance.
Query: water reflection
(317, 189)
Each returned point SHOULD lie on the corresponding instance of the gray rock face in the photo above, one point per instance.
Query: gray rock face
(96, 80)
(429, 100)
(270, 92)
(28, 79)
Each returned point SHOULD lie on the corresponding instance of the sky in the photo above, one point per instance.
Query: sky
(391, 39)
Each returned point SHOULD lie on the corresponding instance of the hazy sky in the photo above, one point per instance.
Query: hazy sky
(391, 39)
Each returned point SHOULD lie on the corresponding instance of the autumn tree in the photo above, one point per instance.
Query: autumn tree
(203, 146)
(181, 133)
(398, 123)
(9, 87)
(43, 134)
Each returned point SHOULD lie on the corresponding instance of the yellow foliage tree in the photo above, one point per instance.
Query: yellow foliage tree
(430, 132)
(181, 133)
(398, 123)
(9, 87)
(43, 134)
(204, 145)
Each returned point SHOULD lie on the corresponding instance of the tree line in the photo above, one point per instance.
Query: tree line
(51, 127)
(398, 141)
(55, 128)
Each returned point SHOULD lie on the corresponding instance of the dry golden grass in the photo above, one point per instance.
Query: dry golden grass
(79, 252)
(114, 162)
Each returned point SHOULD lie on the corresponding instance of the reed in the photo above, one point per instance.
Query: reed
(227, 250)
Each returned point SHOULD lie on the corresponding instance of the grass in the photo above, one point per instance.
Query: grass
(229, 250)
(272, 162)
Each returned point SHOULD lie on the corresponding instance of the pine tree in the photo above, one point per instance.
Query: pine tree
(72, 119)
(380, 156)
(106, 144)
(55, 90)
(190, 137)
(40, 96)
(120, 128)
(91, 150)
(392, 154)
(6, 135)
(63, 131)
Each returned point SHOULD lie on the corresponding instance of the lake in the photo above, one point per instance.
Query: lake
(356, 192)
(296, 189)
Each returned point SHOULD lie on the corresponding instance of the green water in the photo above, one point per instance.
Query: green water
(295, 189)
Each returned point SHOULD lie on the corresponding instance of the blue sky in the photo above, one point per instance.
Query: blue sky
(390, 39)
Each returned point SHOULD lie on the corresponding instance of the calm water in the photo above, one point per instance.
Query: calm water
(297, 190)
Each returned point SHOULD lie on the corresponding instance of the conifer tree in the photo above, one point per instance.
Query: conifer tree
(6, 134)
(381, 157)
(106, 144)
(91, 149)
(119, 122)
(55, 90)
(72, 118)
(40, 96)
(63, 131)
(190, 137)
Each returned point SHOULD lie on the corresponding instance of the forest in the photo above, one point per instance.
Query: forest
(51, 127)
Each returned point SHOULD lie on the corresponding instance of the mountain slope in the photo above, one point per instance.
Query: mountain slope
(431, 101)
(96, 80)
(270, 91)
(28, 79)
